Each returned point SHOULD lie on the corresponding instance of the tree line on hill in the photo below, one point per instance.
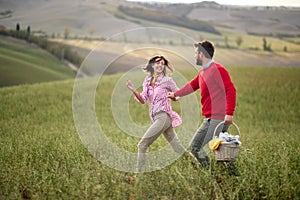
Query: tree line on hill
(59, 50)
(64, 52)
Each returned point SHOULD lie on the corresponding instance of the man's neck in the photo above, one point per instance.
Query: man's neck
(206, 63)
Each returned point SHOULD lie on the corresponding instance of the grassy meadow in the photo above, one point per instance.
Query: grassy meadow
(42, 157)
(22, 63)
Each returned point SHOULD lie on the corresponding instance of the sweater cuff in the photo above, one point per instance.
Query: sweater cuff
(229, 113)
(175, 94)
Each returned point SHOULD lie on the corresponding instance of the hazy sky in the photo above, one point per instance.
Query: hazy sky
(237, 2)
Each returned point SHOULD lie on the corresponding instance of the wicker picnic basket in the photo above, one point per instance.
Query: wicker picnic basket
(227, 151)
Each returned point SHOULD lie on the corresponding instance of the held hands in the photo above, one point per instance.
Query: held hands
(172, 96)
(130, 85)
(227, 120)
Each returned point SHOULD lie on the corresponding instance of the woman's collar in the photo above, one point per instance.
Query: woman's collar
(159, 78)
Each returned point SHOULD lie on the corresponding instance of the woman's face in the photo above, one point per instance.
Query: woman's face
(158, 66)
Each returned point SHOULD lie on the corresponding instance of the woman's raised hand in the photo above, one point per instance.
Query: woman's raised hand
(130, 85)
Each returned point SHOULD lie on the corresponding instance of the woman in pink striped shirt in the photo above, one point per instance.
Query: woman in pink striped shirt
(155, 89)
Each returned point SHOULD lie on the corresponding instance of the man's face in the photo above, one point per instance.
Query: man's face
(198, 57)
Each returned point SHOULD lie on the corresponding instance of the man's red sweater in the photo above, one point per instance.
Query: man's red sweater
(218, 94)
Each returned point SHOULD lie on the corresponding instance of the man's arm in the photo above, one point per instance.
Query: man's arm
(230, 95)
(190, 87)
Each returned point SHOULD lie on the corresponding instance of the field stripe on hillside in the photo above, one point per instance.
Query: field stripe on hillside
(31, 65)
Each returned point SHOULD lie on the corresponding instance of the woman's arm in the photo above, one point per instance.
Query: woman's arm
(135, 92)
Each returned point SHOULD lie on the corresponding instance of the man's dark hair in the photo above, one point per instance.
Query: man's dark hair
(206, 47)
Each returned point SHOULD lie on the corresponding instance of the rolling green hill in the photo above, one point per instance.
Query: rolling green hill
(42, 157)
(22, 63)
(162, 17)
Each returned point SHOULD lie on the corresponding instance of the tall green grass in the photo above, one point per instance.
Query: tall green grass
(21, 64)
(42, 157)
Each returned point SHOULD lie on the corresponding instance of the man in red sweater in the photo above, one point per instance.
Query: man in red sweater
(218, 98)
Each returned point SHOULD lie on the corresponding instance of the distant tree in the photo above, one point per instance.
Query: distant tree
(18, 27)
(239, 40)
(28, 30)
(266, 46)
(28, 33)
(66, 32)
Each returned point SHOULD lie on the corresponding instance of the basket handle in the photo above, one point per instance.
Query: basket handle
(222, 122)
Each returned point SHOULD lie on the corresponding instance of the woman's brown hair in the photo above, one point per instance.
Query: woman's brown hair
(149, 68)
